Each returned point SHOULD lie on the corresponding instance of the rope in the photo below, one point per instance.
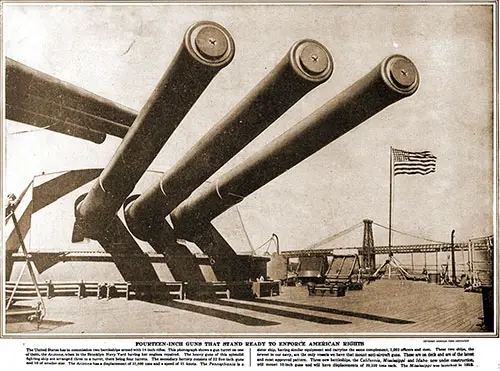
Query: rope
(39, 128)
(29, 131)
(267, 242)
(408, 234)
(244, 229)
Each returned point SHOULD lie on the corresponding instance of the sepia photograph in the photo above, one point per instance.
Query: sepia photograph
(257, 169)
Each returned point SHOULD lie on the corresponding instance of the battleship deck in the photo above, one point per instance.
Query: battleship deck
(383, 306)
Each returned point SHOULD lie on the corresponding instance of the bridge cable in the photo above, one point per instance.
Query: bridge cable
(333, 237)
(408, 234)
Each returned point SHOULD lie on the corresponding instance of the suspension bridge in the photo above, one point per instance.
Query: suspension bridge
(325, 246)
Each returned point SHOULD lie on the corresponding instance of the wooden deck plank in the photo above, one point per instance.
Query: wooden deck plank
(384, 306)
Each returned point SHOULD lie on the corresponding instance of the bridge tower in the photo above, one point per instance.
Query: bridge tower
(368, 246)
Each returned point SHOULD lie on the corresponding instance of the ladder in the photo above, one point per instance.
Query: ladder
(38, 312)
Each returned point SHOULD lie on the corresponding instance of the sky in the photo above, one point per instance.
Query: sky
(451, 115)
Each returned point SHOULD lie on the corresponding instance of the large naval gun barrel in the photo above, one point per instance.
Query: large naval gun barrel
(38, 99)
(306, 65)
(207, 47)
(394, 78)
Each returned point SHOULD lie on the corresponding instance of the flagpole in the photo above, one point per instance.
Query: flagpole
(390, 200)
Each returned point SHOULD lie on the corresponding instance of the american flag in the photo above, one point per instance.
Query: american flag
(411, 163)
